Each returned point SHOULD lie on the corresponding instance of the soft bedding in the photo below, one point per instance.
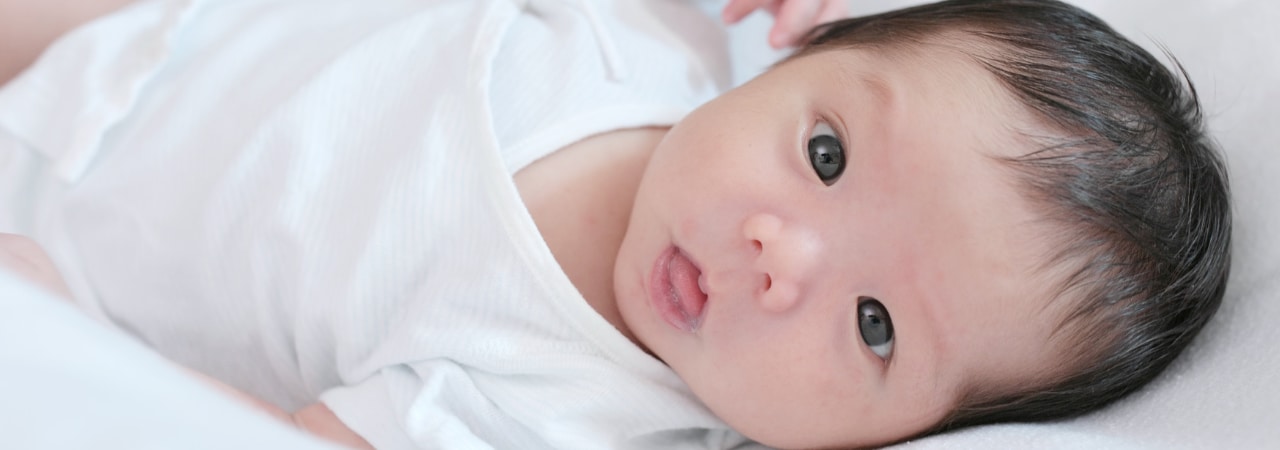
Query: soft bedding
(69, 382)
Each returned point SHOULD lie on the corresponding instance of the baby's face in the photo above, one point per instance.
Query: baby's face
(812, 304)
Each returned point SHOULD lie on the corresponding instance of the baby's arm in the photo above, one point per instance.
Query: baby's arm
(792, 18)
(28, 26)
(25, 258)
(316, 419)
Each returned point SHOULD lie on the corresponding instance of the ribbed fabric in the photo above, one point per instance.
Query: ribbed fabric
(312, 200)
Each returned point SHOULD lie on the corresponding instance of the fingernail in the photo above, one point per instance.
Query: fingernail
(778, 40)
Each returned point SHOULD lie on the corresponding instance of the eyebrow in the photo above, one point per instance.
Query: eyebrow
(933, 325)
(886, 101)
(880, 89)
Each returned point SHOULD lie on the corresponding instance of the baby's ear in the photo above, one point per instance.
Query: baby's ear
(24, 257)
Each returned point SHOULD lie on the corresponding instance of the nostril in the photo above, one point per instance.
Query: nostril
(768, 282)
(755, 243)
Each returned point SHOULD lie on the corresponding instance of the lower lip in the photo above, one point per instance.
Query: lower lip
(674, 291)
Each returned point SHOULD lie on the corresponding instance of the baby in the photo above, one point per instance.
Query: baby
(953, 214)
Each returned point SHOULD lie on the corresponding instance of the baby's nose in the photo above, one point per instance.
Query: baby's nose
(785, 254)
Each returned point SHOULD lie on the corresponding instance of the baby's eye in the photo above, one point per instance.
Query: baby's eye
(875, 326)
(826, 154)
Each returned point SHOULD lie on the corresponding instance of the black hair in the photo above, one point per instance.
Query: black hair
(1127, 175)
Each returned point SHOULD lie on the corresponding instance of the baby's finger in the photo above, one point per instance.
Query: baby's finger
(792, 22)
(738, 9)
(833, 10)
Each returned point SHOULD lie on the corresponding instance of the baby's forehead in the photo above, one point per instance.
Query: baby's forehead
(992, 339)
(982, 242)
(950, 76)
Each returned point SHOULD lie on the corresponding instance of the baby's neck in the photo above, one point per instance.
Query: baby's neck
(580, 198)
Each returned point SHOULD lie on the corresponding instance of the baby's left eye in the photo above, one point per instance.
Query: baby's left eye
(876, 326)
(826, 153)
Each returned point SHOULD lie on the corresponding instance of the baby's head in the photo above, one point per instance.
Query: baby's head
(954, 214)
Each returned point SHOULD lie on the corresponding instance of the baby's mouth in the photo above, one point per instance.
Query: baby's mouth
(678, 290)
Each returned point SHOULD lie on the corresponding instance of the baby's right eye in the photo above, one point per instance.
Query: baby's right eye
(875, 326)
(826, 153)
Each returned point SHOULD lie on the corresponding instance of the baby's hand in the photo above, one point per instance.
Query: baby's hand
(792, 18)
(25, 258)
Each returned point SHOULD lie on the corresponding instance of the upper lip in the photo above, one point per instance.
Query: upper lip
(703, 283)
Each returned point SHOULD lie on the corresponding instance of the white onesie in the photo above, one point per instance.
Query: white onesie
(312, 200)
